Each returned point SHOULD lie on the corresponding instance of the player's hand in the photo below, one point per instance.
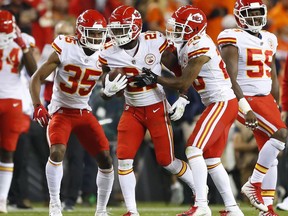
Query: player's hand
(251, 120)
(178, 108)
(41, 115)
(112, 87)
(146, 78)
(18, 39)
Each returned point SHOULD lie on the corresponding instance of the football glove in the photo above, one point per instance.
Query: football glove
(146, 78)
(178, 108)
(112, 87)
(41, 115)
(19, 40)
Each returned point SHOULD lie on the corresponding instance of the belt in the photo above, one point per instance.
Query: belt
(72, 111)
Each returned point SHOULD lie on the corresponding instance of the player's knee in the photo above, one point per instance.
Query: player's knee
(192, 151)
(281, 135)
(175, 166)
(104, 160)
(278, 144)
(57, 152)
(126, 164)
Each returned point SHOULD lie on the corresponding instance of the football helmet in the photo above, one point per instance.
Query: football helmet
(186, 23)
(7, 28)
(125, 24)
(91, 29)
(250, 15)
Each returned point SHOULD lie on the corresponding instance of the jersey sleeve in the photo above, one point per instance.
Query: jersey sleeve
(157, 40)
(106, 51)
(274, 42)
(29, 40)
(227, 37)
(199, 47)
(58, 45)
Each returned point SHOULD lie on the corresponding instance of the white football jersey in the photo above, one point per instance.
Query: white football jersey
(76, 75)
(151, 46)
(11, 57)
(213, 82)
(255, 57)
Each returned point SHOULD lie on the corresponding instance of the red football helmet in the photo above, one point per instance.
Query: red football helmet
(250, 14)
(91, 29)
(186, 23)
(7, 28)
(125, 24)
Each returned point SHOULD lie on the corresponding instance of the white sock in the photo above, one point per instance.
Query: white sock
(269, 184)
(199, 173)
(182, 170)
(6, 174)
(221, 181)
(128, 184)
(54, 174)
(104, 182)
(267, 155)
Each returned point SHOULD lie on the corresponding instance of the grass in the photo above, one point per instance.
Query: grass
(145, 209)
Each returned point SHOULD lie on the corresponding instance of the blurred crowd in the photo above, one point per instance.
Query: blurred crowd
(39, 18)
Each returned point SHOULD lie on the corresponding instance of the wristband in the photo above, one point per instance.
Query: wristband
(244, 105)
(25, 50)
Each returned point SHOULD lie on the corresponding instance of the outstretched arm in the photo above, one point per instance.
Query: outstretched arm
(189, 74)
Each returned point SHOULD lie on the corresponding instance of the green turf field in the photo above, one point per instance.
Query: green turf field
(145, 209)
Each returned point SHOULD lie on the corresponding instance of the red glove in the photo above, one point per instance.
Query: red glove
(19, 40)
(41, 115)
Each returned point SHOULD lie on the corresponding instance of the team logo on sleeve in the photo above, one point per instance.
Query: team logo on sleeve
(150, 59)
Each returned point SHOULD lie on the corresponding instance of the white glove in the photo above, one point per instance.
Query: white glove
(178, 108)
(112, 87)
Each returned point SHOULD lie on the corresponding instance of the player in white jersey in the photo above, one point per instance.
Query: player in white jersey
(76, 58)
(14, 53)
(203, 67)
(146, 108)
(249, 53)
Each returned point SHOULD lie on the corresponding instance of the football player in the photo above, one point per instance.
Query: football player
(78, 70)
(249, 53)
(146, 108)
(15, 51)
(203, 67)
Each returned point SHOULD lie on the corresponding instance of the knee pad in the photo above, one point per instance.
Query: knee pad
(125, 164)
(192, 151)
(277, 144)
(212, 161)
(174, 167)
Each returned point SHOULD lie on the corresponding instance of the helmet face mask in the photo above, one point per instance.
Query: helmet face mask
(186, 23)
(7, 28)
(250, 15)
(125, 25)
(91, 30)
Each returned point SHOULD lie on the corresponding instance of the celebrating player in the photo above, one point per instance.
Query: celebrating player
(78, 71)
(146, 108)
(203, 66)
(15, 51)
(249, 54)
